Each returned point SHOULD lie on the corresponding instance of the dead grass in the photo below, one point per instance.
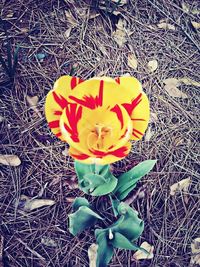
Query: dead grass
(170, 222)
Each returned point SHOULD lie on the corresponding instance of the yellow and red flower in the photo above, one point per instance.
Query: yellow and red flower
(97, 117)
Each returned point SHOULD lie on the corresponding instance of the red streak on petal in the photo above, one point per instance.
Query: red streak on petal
(118, 112)
(119, 153)
(134, 130)
(123, 135)
(117, 80)
(91, 102)
(57, 112)
(58, 134)
(80, 156)
(80, 80)
(136, 135)
(60, 100)
(73, 82)
(73, 114)
(111, 147)
(54, 124)
(130, 107)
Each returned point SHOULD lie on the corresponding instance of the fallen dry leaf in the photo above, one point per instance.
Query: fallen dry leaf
(33, 101)
(166, 26)
(132, 61)
(195, 24)
(182, 185)
(1, 118)
(29, 204)
(67, 33)
(195, 11)
(153, 117)
(10, 160)
(152, 65)
(188, 81)
(92, 255)
(195, 248)
(140, 255)
(48, 242)
(10, 14)
(120, 35)
(185, 7)
(148, 135)
(65, 152)
(120, 3)
(70, 18)
(171, 88)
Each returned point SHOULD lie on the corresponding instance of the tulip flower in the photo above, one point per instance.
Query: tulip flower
(97, 117)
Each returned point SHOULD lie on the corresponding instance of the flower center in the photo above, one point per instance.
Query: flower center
(97, 136)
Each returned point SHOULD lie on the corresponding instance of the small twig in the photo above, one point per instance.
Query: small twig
(31, 250)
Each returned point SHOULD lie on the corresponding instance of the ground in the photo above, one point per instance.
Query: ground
(89, 49)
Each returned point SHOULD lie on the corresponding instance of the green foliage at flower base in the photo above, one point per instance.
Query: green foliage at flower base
(96, 180)
(83, 216)
(119, 235)
(128, 181)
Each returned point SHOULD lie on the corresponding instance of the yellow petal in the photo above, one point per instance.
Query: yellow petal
(111, 157)
(139, 106)
(97, 92)
(56, 101)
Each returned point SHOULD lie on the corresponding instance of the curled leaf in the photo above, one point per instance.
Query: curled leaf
(171, 88)
(119, 235)
(195, 248)
(67, 33)
(149, 133)
(140, 255)
(120, 35)
(29, 204)
(83, 217)
(49, 242)
(166, 26)
(70, 18)
(96, 180)
(152, 65)
(195, 24)
(10, 160)
(33, 101)
(182, 185)
(132, 61)
(92, 255)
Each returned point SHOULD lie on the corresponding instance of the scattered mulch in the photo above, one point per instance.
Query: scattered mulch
(171, 223)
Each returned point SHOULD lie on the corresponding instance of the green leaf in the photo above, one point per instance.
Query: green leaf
(128, 180)
(83, 218)
(115, 203)
(120, 241)
(78, 202)
(96, 180)
(105, 188)
(129, 224)
(105, 250)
